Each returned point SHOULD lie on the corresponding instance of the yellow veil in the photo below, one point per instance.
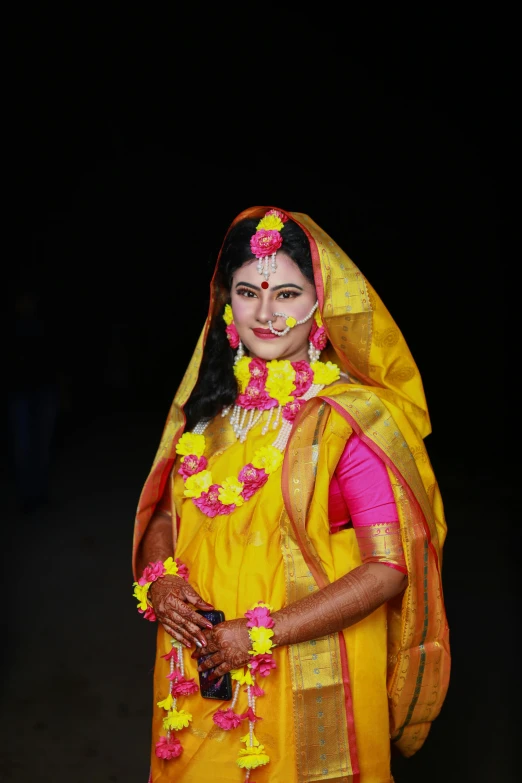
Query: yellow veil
(366, 343)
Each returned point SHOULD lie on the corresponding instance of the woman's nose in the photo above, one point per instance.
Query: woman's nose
(264, 310)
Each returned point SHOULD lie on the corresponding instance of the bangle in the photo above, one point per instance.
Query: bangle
(151, 573)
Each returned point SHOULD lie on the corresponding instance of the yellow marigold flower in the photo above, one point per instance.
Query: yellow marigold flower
(271, 223)
(281, 392)
(280, 371)
(198, 483)
(140, 593)
(280, 380)
(267, 457)
(177, 720)
(317, 318)
(243, 676)
(242, 372)
(252, 757)
(230, 492)
(167, 703)
(227, 315)
(325, 373)
(261, 640)
(191, 443)
(246, 739)
(171, 567)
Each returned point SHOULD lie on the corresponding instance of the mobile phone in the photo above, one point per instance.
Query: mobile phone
(215, 689)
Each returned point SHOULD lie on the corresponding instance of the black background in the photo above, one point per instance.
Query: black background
(132, 144)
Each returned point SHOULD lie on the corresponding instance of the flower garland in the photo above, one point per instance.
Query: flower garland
(262, 386)
(168, 747)
(260, 626)
(260, 632)
(152, 572)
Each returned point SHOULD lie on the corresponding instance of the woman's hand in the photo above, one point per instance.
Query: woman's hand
(229, 643)
(170, 597)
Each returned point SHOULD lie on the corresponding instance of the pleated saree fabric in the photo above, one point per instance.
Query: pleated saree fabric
(334, 705)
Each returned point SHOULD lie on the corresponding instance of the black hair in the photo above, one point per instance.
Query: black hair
(216, 386)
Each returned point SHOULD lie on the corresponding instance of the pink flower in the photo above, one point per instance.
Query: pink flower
(148, 614)
(232, 335)
(259, 616)
(278, 214)
(182, 569)
(304, 376)
(262, 664)
(168, 749)
(184, 687)
(291, 409)
(191, 465)
(210, 504)
(172, 654)
(227, 719)
(255, 396)
(265, 242)
(318, 337)
(253, 479)
(250, 714)
(258, 370)
(255, 690)
(152, 572)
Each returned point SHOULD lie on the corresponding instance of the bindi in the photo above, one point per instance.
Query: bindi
(264, 284)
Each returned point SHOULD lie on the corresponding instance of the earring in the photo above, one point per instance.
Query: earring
(313, 353)
(317, 338)
(239, 353)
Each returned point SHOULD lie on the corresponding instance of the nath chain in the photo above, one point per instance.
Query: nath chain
(291, 325)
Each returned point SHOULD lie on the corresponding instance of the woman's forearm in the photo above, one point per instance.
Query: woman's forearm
(157, 543)
(339, 605)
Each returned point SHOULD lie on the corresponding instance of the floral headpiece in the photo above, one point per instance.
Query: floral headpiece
(267, 240)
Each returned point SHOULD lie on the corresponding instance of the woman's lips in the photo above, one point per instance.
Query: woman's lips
(265, 334)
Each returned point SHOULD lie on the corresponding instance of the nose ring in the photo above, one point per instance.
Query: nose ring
(290, 321)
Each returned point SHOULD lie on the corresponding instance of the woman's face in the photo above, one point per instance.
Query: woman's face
(289, 292)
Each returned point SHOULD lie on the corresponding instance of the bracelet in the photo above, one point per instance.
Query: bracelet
(151, 573)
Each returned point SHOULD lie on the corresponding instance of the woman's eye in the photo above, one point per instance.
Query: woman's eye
(245, 292)
(287, 294)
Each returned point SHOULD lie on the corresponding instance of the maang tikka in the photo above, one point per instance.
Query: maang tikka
(264, 245)
(267, 240)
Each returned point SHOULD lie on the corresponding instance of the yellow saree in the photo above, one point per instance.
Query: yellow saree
(333, 704)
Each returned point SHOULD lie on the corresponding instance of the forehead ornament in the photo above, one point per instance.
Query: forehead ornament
(267, 240)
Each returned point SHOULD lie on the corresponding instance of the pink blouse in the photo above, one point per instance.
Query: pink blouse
(361, 496)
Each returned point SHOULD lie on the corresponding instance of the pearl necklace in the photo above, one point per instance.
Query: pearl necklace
(243, 420)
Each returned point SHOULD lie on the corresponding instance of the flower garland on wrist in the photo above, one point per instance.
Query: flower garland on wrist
(262, 663)
(167, 747)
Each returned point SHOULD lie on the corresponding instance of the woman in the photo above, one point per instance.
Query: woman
(292, 491)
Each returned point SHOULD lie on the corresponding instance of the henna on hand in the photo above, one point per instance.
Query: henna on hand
(338, 605)
(229, 642)
(170, 597)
